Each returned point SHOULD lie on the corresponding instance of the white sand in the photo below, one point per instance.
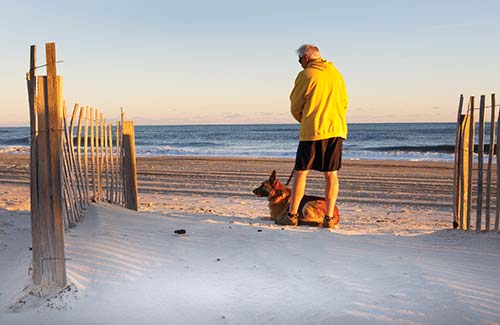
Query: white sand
(386, 264)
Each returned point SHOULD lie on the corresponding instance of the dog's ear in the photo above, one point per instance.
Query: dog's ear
(272, 178)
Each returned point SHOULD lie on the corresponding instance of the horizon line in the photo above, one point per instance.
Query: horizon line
(221, 124)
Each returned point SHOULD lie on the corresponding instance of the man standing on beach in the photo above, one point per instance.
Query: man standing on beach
(319, 104)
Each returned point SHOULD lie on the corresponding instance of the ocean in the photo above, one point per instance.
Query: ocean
(382, 141)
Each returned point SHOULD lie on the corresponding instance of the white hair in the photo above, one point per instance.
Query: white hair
(311, 51)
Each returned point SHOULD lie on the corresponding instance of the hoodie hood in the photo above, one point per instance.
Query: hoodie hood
(319, 64)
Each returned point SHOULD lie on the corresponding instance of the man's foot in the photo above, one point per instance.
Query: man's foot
(291, 219)
(331, 222)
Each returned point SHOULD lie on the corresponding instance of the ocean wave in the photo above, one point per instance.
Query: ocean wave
(422, 149)
(15, 141)
(195, 144)
(396, 155)
(447, 149)
(162, 150)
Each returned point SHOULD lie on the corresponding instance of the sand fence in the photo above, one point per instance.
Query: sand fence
(98, 162)
(477, 191)
(71, 164)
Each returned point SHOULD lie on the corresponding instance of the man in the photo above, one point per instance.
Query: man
(319, 104)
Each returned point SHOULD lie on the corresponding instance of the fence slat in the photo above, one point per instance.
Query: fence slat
(106, 148)
(74, 162)
(463, 168)
(92, 156)
(79, 152)
(470, 162)
(112, 172)
(458, 164)
(118, 163)
(72, 125)
(480, 166)
(488, 170)
(68, 173)
(97, 156)
(122, 178)
(72, 151)
(101, 154)
(497, 207)
(86, 152)
(66, 182)
(78, 158)
(73, 168)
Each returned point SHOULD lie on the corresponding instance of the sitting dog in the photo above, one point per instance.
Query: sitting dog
(311, 209)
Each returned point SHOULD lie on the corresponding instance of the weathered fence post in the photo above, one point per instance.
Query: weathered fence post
(49, 264)
(480, 166)
(54, 109)
(35, 216)
(129, 164)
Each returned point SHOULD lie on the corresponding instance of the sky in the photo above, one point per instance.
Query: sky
(232, 62)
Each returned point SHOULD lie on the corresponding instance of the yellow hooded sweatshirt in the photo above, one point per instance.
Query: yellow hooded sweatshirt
(319, 102)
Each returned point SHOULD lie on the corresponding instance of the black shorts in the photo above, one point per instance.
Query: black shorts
(321, 155)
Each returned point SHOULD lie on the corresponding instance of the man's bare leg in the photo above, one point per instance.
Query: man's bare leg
(331, 192)
(298, 190)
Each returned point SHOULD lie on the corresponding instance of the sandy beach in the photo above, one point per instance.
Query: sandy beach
(393, 259)
(375, 196)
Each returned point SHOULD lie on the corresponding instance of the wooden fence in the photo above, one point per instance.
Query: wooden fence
(98, 162)
(481, 192)
(72, 163)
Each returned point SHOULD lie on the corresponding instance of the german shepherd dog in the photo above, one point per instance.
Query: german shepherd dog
(311, 209)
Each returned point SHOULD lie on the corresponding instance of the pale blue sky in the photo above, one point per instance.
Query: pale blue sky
(185, 62)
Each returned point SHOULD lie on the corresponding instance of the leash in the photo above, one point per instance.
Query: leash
(290, 178)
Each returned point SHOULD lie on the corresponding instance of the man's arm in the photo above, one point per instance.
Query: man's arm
(297, 97)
